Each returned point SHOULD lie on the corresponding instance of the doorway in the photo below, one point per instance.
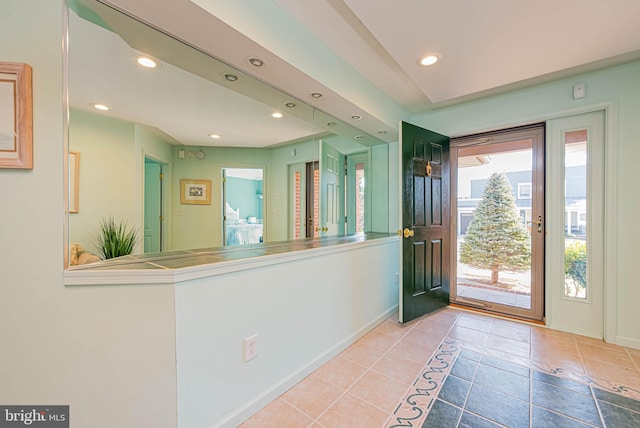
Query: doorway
(304, 211)
(153, 206)
(243, 206)
(498, 221)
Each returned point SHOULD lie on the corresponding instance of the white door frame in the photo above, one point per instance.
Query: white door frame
(583, 316)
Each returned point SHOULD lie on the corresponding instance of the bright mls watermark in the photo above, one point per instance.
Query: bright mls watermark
(34, 416)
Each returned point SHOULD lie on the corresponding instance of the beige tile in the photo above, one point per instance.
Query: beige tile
(468, 335)
(352, 412)
(475, 323)
(426, 338)
(365, 354)
(447, 316)
(399, 368)
(636, 359)
(313, 395)
(341, 372)
(413, 351)
(379, 390)
(437, 329)
(539, 334)
(612, 372)
(554, 344)
(512, 331)
(508, 345)
(565, 360)
(379, 339)
(633, 351)
(617, 356)
(597, 342)
(278, 414)
(393, 327)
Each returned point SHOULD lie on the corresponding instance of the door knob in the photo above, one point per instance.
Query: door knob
(407, 232)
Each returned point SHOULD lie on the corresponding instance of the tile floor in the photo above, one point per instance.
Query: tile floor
(458, 368)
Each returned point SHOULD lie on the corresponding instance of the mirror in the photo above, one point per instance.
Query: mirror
(155, 143)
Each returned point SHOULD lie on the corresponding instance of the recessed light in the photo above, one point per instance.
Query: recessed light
(430, 59)
(382, 132)
(359, 137)
(331, 124)
(147, 62)
(290, 105)
(276, 115)
(231, 77)
(214, 136)
(100, 106)
(255, 61)
(315, 95)
(356, 117)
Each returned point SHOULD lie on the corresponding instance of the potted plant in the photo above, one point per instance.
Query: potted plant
(115, 239)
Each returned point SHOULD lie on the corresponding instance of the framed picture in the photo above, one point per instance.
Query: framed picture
(74, 181)
(195, 192)
(16, 116)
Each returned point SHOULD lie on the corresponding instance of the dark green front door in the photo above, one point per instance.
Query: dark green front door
(425, 221)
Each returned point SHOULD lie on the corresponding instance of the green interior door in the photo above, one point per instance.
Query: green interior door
(425, 222)
(152, 206)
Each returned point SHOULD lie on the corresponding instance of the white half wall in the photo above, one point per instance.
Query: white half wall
(303, 312)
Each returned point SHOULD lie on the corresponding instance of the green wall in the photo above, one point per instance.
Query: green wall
(617, 87)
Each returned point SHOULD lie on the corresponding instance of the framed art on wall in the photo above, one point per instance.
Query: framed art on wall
(195, 192)
(16, 116)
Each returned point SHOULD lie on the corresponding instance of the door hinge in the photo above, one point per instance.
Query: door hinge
(161, 218)
(161, 176)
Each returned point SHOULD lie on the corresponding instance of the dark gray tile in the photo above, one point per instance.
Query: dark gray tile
(469, 420)
(618, 417)
(442, 415)
(563, 383)
(455, 391)
(566, 402)
(616, 399)
(505, 365)
(544, 418)
(498, 407)
(503, 381)
(464, 368)
(471, 355)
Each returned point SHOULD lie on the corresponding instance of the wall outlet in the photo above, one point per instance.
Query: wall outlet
(250, 349)
(579, 91)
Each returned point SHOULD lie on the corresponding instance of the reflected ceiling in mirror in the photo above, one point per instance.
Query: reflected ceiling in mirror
(167, 116)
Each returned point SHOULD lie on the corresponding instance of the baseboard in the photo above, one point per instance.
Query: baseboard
(628, 342)
(243, 413)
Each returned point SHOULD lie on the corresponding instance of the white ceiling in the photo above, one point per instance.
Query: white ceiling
(487, 46)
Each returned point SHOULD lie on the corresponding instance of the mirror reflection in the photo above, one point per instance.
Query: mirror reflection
(192, 153)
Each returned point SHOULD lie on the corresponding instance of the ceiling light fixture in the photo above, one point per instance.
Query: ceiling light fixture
(255, 61)
(356, 117)
(100, 106)
(331, 124)
(146, 62)
(231, 77)
(214, 136)
(430, 59)
(276, 115)
(290, 105)
(359, 137)
(315, 95)
(382, 132)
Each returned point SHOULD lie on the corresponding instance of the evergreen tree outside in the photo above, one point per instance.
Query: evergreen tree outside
(496, 239)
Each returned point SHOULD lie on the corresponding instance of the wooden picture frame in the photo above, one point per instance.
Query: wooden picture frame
(74, 181)
(16, 116)
(195, 192)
